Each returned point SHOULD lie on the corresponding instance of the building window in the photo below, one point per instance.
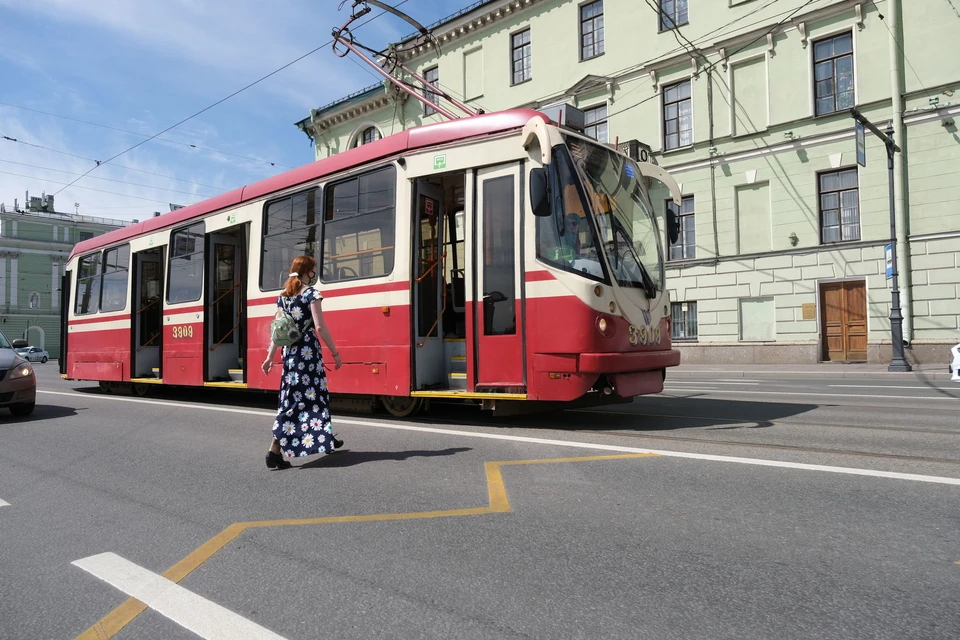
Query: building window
(368, 135)
(432, 76)
(683, 320)
(839, 206)
(359, 219)
(595, 123)
(677, 116)
(520, 45)
(591, 30)
(673, 13)
(833, 72)
(85, 235)
(685, 248)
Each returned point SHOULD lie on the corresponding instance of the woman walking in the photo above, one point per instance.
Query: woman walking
(302, 427)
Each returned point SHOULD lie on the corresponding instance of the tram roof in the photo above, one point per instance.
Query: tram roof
(411, 139)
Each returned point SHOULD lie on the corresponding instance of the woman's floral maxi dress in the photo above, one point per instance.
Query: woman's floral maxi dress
(302, 426)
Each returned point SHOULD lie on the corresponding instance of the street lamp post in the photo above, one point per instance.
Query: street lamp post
(898, 362)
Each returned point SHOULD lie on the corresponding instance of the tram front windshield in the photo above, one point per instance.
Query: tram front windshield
(627, 228)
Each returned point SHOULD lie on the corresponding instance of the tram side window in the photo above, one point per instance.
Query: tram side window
(116, 265)
(291, 229)
(358, 227)
(186, 265)
(88, 285)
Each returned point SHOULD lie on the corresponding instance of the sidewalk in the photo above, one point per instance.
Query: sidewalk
(921, 372)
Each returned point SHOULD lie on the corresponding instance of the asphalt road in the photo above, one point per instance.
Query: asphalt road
(773, 508)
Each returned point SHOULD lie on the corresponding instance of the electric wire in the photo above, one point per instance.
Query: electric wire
(117, 166)
(713, 65)
(218, 102)
(143, 135)
(113, 193)
(75, 173)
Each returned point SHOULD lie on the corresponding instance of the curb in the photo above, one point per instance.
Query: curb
(858, 375)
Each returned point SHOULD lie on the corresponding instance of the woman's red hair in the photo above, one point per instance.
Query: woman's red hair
(301, 266)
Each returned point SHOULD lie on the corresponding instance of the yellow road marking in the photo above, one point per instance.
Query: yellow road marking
(113, 622)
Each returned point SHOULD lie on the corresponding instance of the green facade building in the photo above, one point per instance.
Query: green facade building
(747, 103)
(35, 241)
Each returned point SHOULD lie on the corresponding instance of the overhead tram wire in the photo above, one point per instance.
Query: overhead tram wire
(218, 102)
(713, 65)
(143, 135)
(134, 184)
(118, 166)
(112, 193)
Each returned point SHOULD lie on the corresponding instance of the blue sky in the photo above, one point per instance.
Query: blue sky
(142, 66)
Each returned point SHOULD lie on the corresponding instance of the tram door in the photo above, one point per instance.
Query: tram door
(226, 305)
(148, 314)
(428, 286)
(497, 329)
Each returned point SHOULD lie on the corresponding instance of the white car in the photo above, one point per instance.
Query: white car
(33, 354)
(955, 367)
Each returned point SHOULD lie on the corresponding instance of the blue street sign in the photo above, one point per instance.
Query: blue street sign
(888, 252)
(861, 146)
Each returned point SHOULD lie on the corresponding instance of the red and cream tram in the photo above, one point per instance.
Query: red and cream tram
(533, 272)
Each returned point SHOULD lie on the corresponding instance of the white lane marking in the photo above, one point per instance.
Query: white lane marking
(561, 443)
(822, 395)
(885, 386)
(4, 504)
(709, 382)
(199, 615)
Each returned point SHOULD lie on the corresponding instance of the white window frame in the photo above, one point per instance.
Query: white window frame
(812, 39)
(661, 87)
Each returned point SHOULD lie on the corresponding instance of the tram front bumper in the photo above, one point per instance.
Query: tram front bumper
(631, 374)
(637, 361)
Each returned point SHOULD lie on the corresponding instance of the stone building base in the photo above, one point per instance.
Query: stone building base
(926, 352)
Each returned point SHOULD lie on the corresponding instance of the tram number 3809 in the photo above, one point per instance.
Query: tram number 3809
(183, 331)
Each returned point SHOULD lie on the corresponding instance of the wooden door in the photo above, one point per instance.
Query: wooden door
(844, 315)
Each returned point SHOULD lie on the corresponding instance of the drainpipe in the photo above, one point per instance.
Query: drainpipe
(899, 162)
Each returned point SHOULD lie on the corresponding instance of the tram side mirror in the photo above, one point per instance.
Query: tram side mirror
(673, 225)
(539, 196)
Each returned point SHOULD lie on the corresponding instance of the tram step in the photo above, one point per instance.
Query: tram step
(454, 348)
(457, 380)
(458, 364)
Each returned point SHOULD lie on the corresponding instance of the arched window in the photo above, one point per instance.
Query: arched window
(368, 135)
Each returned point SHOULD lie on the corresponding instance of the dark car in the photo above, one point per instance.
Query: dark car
(18, 384)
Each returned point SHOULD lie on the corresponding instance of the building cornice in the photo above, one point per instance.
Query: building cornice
(486, 15)
(467, 25)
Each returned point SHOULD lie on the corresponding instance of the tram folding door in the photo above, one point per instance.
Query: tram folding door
(498, 328)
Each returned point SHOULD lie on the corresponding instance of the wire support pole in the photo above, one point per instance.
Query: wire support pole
(898, 361)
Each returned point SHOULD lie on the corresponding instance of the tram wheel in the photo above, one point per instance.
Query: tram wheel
(106, 387)
(401, 406)
(141, 389)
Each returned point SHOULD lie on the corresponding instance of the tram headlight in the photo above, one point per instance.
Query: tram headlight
(21, 371)
(605, 327)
